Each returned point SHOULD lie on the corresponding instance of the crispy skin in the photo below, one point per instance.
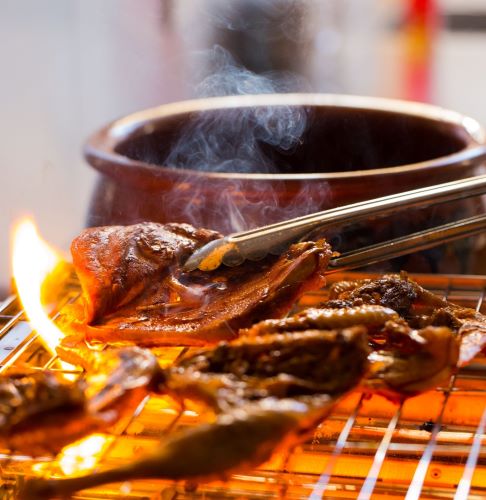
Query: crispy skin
(371, 316)
(404, 361)
(114, 263)
(282, 365)
(269, 394)
(419, 307)
(156, 303)
(40, 413)
(408, 362)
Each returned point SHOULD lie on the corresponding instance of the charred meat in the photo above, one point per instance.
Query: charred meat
(236, 441)
(42, 412)
(117, 264)
(282, 365)
(417, 306)
(136, 292)
(404, 361)
(269, 393)
(33, 406)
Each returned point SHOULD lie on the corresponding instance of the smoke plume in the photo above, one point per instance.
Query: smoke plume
(234, 141)
(241, 140)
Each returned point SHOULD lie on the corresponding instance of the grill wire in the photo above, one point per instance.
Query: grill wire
(428, 447)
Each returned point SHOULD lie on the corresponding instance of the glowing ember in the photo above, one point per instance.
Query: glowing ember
(33, 261)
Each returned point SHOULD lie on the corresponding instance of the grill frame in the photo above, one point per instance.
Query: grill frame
(366, 448)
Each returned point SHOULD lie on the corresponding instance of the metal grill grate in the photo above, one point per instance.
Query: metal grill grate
(430, 447)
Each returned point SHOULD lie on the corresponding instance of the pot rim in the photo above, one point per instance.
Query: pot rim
(100, 152)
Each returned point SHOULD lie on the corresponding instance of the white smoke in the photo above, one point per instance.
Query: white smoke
(234, 141)
(241, 140)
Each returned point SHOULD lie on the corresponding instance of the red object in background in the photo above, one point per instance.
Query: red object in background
(424, 12)
(422, 19)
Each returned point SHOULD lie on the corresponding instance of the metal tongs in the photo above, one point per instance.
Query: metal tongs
(234, 249)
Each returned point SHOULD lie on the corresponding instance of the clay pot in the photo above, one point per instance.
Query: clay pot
(155, 164)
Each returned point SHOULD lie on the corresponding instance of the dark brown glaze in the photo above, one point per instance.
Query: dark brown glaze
(407, 362)
(390, 291)
(148, 300)
(416, 305)
(269, 394)
(371, 316)
(404, 361)
(282, 365)
(114, 263)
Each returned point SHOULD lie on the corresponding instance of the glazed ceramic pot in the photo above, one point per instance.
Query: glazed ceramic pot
(237, 162)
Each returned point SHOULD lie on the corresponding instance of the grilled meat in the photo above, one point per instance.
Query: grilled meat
(282, 365)
(407, 362)
(404, 361)
(417, 306)
(118, 264)
(33, 408)
(269, 393)
(390, 291)
(371, 316)
(40, 413)
(136, 291)
(239, 440)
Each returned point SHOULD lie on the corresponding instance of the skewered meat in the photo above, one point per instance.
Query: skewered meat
(404, 361)
(41, 412)
(136, 291)
(419, 307)
(269, 393)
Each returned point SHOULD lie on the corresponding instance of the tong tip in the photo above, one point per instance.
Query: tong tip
(212, 255)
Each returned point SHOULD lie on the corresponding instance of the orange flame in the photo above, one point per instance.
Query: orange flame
(33, 261)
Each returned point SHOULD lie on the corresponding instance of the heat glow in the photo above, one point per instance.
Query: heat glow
(33, 261)
(83, 455)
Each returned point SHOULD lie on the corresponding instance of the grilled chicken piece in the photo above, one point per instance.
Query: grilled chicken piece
(136, 291)
(268, 393)
(40, 413)
(35, 406)
(419, 307)
(408, 362)
(404, 361)
(117, 264)
(239, 440)
(280, 365)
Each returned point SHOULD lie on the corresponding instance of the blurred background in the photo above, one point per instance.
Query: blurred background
(70, 67)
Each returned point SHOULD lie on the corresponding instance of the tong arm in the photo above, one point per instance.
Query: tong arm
(234, 249)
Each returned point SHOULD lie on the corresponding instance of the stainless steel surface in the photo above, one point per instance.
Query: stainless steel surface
(255, 244)
(404, 245)
(368, 448)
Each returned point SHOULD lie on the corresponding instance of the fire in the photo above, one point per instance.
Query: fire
(33, 262)
(37, 268)
(84, 454)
